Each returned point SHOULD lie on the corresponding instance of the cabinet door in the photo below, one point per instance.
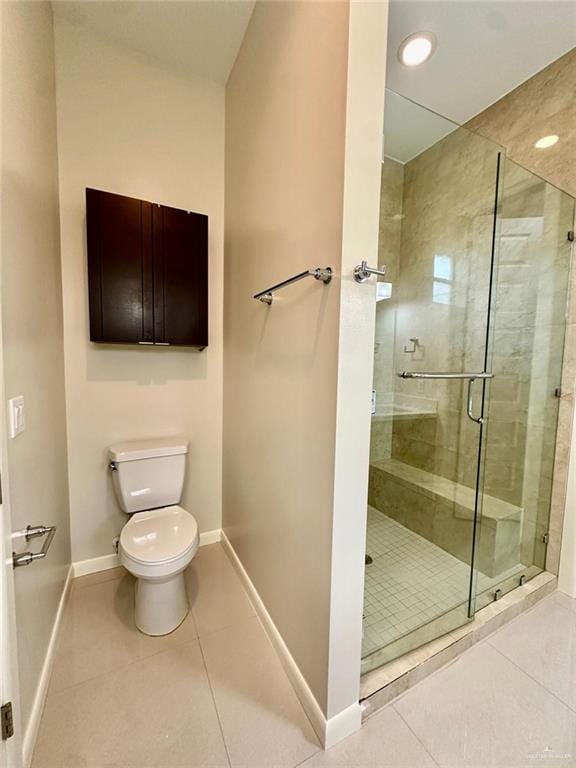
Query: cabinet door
(119, 268)
(180, 276)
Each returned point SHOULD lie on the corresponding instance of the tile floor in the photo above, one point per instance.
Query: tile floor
(214, 694)
(410, 582)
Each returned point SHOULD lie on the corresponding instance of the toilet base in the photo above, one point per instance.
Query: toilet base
(160, 606)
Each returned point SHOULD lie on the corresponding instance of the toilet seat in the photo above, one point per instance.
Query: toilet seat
(159, 537)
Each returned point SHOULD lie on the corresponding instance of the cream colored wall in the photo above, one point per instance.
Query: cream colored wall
(285, 122)
(128, 126)
(32, 323)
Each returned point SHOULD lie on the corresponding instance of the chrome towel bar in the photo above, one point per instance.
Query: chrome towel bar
(320, 273)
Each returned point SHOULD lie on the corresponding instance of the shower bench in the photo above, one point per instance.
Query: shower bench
(442, 511)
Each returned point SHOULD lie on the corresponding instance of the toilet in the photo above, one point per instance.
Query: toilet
(160, 539)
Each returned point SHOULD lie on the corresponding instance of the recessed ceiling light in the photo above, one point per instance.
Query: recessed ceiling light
(546, 141)
(417, 48)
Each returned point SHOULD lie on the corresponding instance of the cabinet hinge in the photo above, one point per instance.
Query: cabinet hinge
(571, 236)
(7, 720)
(546, 538)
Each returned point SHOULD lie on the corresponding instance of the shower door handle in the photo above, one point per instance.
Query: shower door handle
(472, 376)
(477, 419)
(433, 375)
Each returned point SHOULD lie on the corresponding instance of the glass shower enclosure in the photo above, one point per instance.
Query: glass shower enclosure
(468, 360)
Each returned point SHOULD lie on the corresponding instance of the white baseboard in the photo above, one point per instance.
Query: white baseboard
(104, 563)
(343, 724)
(329, 731)
(33, 726)
(95, 565)
(210, 537)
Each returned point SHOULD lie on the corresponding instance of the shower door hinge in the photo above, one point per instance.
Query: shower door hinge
(571, 236)
(7, 721)
(546, 538)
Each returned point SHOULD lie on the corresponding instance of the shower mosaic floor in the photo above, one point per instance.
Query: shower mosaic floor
(410, 582)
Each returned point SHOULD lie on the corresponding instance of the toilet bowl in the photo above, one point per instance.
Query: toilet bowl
(160, 539)
(156, 547)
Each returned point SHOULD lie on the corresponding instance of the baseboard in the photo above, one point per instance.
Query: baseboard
(104, 563)
(210, 537)
(31, 732)
(329, 731)
(95, 565)
(343, 724)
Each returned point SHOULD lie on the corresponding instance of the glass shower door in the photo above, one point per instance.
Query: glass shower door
(525, 352)
(437, 229)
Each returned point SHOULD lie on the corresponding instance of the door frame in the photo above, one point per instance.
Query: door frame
(11, 749)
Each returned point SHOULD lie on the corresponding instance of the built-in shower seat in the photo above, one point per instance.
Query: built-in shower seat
(442, 511)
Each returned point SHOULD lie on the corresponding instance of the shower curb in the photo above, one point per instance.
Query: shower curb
(381, 686)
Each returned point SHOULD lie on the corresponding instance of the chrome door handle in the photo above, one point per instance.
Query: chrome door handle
(362, 272)
(433, 375)
(471, 376)
(477, 419)
(31, 532)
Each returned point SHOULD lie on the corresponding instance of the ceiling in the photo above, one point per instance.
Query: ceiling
(485, 49)
(198, 39)
(409, 129)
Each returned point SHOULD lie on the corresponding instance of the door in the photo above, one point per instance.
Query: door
(437, 240)
(119, 268)
(10, 746)
(525, 346)
(180, 276)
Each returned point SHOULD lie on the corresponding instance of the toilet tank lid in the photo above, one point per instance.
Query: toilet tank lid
(134, 450)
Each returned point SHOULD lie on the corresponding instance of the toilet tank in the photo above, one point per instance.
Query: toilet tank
(148, 474)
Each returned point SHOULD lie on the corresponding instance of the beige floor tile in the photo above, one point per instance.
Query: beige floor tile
(385, 741)
(542, 642)
(263, 722)
(155, 713)
(560, 598)
(215, 591)
(484, 712)
(99, 635)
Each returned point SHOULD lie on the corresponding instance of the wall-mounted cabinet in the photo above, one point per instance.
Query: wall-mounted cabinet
(147, 272)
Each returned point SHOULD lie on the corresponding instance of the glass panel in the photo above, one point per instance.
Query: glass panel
(526, 343)
(436, 237)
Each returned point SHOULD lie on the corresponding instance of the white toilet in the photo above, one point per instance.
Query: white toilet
(160, 539)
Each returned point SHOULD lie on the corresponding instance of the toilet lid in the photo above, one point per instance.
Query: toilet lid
(159, 535)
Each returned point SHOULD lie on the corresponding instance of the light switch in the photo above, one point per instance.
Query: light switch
(16, 416)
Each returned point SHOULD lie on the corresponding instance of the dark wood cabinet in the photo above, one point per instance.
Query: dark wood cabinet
(147, 272)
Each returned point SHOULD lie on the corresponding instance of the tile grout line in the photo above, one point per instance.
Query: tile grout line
(220, 726)
(418, 739)
(528, 675)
